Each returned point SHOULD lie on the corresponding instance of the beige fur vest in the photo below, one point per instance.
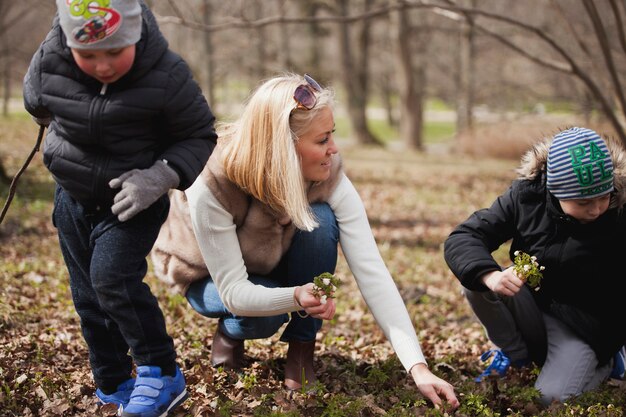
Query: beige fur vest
(264, 236)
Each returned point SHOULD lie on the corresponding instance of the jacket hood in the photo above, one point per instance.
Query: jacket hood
(534, 162)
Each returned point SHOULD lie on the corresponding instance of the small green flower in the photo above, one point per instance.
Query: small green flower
(324, 286)
(528, 269)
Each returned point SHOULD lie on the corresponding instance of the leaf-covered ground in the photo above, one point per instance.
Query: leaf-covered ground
(413, 201)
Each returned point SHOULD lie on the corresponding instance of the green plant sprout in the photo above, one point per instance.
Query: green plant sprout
(325, 285)
(528, 269)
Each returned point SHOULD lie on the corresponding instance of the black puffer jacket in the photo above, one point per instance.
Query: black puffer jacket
(156, 111)
(583, 284)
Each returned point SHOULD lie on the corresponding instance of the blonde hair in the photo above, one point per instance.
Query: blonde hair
(259, 148)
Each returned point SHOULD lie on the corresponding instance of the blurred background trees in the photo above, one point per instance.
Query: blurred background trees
(388, 60)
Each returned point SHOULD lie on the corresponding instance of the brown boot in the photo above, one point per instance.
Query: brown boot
(299, 367)
(227, 352)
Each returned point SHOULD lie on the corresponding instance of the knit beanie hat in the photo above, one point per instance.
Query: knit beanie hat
(579, 165)
(100, 24)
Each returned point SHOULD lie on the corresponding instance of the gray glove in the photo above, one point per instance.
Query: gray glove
(141, 188)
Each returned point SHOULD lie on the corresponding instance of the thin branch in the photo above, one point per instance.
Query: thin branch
(620, 24)
(174, 6)
(592, 11)
(17, 176)
(248, 24)
(14, 20)
(572, 31)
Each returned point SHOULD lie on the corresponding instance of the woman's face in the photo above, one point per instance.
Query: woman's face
(586, 210)
(317, 146)
(106, 65)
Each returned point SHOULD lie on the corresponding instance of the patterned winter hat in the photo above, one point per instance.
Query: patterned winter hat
(100, 24)
(579, 165)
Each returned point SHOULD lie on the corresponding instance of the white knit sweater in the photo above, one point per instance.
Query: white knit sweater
(217, 239)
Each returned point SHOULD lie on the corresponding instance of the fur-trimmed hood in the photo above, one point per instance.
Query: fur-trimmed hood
(534, 165)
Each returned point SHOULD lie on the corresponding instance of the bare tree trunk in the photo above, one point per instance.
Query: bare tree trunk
(5, 55)
(285, 50)
(409, 78)
(386, 91)
(260, 41)
(312, 64)
(6, 78)
(208, 51)
(465, 96)
(353, 78)
(3, 175)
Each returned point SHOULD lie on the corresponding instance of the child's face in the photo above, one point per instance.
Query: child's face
(586, 210)
(105, 65)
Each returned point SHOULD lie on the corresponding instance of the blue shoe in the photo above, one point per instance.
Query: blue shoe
(498, 366)
(119, 397)
(155, 395)
(619, 364)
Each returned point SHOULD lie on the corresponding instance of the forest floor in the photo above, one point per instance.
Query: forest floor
(413, 200)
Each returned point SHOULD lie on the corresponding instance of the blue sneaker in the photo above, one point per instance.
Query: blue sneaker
(119, 397)
(498, 366)
(619, 364)
(155, 395)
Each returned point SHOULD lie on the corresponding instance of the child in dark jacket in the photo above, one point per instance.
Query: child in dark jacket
(567, 211)
(127, 122)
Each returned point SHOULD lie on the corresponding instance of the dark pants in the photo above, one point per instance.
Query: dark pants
(106, 260)
(310, 254)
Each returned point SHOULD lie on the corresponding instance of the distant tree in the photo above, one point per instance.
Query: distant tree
(597, 61)
(411, 74)
(12, 14)
(284, 51)
(3, 175)
(354, 69)
(465, 74)
(207, 13)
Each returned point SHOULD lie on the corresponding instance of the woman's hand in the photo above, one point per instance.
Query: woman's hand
(434, 388)
(503, 282)
(312, 305)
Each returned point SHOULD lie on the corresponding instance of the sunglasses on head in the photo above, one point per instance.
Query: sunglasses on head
(305, 93)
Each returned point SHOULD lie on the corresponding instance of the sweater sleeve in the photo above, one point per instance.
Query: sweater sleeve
(217, 238)
(372, 276)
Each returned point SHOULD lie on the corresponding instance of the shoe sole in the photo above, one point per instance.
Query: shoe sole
(177, 401)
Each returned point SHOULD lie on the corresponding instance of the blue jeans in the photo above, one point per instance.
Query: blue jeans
(310, 254)
(106, 260)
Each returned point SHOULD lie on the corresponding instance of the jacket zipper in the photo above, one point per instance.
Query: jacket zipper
(96, 132)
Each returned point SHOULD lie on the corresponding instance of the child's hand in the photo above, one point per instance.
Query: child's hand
(140, 188)
(503, 282)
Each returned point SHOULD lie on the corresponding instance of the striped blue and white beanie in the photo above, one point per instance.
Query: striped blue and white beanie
(579, 165)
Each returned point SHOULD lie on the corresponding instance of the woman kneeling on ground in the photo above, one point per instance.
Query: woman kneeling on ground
(268, 212)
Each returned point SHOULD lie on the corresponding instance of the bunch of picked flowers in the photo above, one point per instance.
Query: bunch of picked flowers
(528, 269)
(324, 286)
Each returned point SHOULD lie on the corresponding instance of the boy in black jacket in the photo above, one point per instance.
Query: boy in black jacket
(567, 210)
(127, 122)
